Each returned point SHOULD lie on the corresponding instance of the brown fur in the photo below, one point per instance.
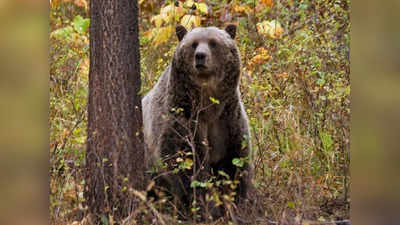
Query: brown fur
(214, 131)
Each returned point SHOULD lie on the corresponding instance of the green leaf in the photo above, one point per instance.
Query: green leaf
(291, 205)
(80, 24)
(303, 6)
(214, 100)
(64, 32)
(326, 140)
(244, 144)
(238, 162)
(202, 8)
(196, 183)
(187, 164)
(222, 173)
(320, 82)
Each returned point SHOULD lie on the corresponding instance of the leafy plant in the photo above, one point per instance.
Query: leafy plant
(295, 85)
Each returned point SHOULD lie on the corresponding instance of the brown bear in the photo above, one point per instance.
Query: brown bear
(195, 111)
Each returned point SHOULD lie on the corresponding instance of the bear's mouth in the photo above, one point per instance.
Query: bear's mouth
(201, 67)
(203, 72)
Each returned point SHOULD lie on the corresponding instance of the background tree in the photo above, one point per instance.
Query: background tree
(115, 155)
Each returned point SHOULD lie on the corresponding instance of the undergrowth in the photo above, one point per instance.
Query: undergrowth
(295, 85)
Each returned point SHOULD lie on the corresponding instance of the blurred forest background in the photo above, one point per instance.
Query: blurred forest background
(295, 86)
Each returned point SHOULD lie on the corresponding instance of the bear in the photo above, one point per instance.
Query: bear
(195, 111)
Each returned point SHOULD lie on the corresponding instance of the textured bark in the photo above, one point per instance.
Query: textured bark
(115, 153)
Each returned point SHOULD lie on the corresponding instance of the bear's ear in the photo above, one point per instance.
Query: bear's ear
(231, 30)
(180, 32)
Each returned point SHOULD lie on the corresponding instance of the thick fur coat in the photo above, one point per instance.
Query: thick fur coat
(195, 110)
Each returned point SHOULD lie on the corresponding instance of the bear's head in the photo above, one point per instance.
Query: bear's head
(208, 55)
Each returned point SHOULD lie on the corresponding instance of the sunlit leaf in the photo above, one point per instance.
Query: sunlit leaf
(272, 28)
(283, 75)
(161, 34)
(190, 21)
(157, 20)
(214, 100)
(80, 24)
(170, 12)
(268, 2)
(167, 13)
(326, 140)
(320, 82)
(244, 9)
(196, 183)
(222, 173)
(188, 4)
(54, 3)
(187, 164)
(238, 162)
(261, 57)
(179, 11)
(81, 3)
(64, 32)
(291, 204)
(202, 8)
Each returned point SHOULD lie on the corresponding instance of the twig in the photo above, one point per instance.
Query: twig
(150, 205)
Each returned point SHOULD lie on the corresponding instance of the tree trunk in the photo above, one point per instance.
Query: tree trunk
(115, 152)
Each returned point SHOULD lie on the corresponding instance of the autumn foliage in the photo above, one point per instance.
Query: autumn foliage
(295, 85)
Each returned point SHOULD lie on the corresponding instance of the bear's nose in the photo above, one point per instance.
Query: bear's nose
(200, 56)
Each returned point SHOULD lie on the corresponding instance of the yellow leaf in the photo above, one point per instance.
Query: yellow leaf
(170, 12)
(54, 3)
(179, 159)
(202, 8)
(270, 28)
(81, 3)
(268, 2)
(188, 4)
(148, 34)
(214, 100)
(276, 29)
(262, 51)
(197, 21)
(188, 163)
(179, 11)
(190, 21)
(167, 12)
(241, 9)
(261, 57)
(283, 75)
(157, 20)
(161, 34)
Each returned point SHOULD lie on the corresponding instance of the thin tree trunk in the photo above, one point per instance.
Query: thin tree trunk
(115, 153)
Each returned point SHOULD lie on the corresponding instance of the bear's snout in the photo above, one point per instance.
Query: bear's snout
(200, 60)
(201, 56)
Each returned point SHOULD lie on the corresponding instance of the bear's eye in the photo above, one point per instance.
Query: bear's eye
(213, 43)
(194, 44)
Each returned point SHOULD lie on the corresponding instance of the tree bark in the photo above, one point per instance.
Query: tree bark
(115, 150)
